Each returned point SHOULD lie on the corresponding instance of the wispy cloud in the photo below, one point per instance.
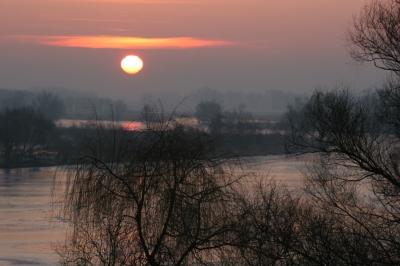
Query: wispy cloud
(119, 42)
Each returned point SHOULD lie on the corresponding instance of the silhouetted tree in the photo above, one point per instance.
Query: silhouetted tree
(162, 196)
(206, 111)
(353, 181)
(374, 35)
(269, 229)
(152, 113)
(22, 130)
(355, 178)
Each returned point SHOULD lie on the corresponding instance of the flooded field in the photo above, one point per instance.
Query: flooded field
(26, 230)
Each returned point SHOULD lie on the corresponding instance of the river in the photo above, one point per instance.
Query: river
(27, 230)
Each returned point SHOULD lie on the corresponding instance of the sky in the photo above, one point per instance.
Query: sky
(236, 45)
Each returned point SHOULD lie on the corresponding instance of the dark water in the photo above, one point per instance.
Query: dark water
(27, 228)
(26, 233)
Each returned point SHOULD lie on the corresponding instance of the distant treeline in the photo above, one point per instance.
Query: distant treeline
(80, 104)
(267, 101)
(30, 138)
(71, 104)
(29, 135)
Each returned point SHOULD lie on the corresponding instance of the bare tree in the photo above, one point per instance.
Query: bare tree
(268, 231)
(389, 104)
(350, 212)
(162, 196)
(375, 35)
(355, 178)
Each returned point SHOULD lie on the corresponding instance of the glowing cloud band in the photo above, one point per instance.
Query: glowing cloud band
(117, 42)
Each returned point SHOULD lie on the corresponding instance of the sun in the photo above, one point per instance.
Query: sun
(131, 64)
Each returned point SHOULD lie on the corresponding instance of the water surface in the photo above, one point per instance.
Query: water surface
(26, 230)
(26, 233)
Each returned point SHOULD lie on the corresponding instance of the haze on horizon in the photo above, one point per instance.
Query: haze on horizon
(244, 46)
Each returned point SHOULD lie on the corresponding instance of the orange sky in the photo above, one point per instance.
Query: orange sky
(119, 42)
(251, 45)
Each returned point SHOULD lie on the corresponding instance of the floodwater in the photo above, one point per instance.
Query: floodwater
(27, 230)
(284, 170)
(127, 125)
(26, 233)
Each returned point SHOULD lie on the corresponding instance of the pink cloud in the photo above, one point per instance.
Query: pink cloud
(119, 42)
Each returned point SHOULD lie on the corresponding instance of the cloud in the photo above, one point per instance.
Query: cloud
(119, 42)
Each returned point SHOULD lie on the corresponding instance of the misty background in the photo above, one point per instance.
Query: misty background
(81, 104)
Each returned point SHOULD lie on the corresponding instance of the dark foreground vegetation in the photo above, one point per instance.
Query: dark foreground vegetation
(174, 194)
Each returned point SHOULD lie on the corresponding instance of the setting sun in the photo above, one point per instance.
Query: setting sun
(131, 64)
